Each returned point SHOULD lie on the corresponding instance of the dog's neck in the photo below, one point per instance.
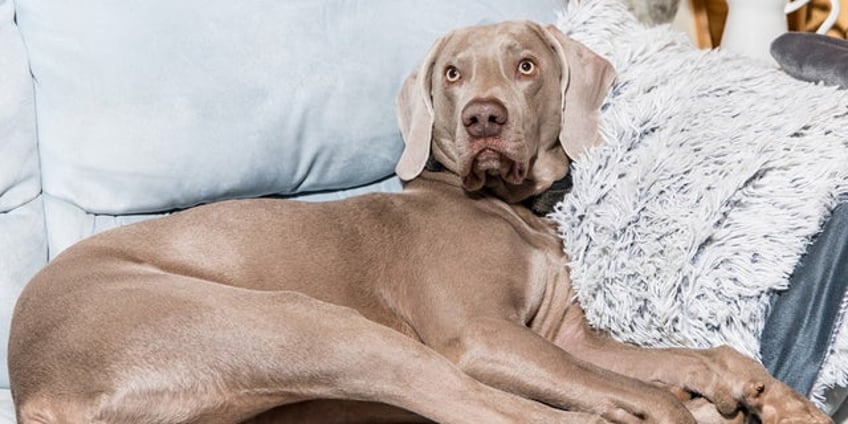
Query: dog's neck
(540, 204)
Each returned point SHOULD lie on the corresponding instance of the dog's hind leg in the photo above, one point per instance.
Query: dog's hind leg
(172, 349)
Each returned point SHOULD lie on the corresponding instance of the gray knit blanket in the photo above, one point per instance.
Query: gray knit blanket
(714, 174)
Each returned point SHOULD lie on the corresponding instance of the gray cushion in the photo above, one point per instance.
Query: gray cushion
(154, 105)
(812, 57)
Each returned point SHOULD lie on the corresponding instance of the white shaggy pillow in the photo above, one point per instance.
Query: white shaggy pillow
(714, 174)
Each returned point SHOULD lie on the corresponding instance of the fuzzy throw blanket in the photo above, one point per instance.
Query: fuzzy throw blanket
(715, 173)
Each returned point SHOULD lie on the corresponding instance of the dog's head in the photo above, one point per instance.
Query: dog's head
(503, 106)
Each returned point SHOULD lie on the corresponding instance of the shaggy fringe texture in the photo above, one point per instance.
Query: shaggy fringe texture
(714, 174)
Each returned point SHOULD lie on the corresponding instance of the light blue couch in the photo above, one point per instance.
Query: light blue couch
(114, 112)
(111, 113)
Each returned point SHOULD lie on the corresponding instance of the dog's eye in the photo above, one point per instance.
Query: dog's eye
(452, 74)
(527, 67)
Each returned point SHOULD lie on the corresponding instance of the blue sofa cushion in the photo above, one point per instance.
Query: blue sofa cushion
(23, 246)
(155, 105)
(20, 181)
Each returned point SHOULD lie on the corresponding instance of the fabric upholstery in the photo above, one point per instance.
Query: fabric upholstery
(157, 105)
(24, 252)
(69, 224)
(19, 177)
(23, 249)
(799, 329)
(800, 326)
(7, 411)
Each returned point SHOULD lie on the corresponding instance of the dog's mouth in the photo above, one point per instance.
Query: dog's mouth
(489, 162)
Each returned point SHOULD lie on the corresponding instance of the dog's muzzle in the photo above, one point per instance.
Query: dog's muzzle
(491, 162)
(491, 155)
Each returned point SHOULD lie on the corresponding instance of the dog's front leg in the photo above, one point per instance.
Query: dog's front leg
(509, 356)
(730, 380)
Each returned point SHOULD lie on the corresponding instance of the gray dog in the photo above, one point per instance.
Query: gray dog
(449, 300)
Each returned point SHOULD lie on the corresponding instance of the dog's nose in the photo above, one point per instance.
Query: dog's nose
(484, 118)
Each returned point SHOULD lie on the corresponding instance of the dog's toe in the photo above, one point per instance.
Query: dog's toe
(777, 403)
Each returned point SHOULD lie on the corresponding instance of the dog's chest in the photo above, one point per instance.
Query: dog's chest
(466, 255)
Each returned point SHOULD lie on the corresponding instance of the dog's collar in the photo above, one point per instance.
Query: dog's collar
(541, 204)
(544, 203)
(434, 165)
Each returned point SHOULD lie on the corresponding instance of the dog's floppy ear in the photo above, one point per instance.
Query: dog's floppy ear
(586, 79)
(415, 116)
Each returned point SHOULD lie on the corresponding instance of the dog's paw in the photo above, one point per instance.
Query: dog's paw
(649, 405)
(776, 403)
(705, 412)
(742, 383)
